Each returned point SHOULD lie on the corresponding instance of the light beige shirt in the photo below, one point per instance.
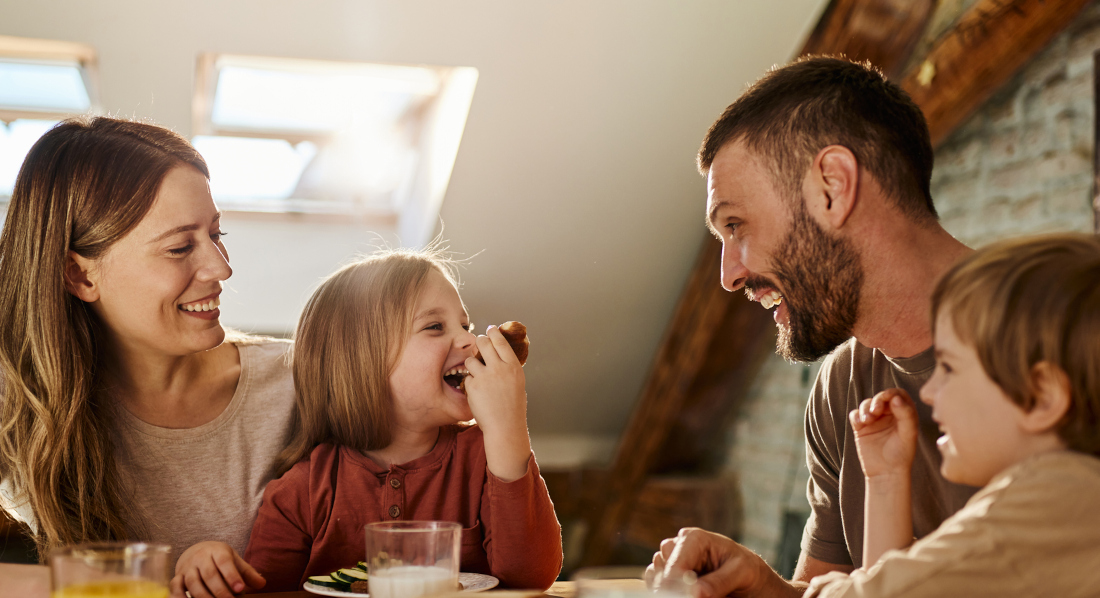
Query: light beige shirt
(206, 483)
(1033, 531)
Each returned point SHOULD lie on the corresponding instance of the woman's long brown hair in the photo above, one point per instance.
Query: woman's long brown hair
(84, 185)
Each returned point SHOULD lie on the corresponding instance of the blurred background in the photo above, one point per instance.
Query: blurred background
(553, 143)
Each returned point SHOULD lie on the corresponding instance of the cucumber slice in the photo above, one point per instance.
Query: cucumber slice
(362, 566)
(327, 581)
(350, 575)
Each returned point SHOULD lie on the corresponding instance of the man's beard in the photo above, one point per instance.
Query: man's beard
(821, 276)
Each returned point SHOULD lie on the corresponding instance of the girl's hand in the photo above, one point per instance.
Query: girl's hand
(213, 569)
(496, 391)
(886, 434)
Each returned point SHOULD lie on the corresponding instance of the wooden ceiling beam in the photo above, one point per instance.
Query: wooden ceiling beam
(985, 48)
(885, 32)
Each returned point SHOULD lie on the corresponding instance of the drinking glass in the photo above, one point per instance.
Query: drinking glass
(110, 570)
(408, 559)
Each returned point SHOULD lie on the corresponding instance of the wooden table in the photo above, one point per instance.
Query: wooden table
(560, 589)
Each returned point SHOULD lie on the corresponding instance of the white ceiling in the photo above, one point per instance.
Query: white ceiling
(575, 178)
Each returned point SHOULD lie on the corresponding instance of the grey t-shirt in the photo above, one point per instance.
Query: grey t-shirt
(206, 483)
(851, 373)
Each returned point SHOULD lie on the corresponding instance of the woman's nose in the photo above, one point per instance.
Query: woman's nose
(734, 272)
(215, 262)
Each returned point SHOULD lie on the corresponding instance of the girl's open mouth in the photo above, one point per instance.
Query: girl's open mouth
(454, 378)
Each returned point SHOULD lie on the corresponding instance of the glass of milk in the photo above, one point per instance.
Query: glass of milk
(408, 559)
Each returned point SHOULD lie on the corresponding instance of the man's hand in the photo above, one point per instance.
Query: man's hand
(723, 566)
(213, 570)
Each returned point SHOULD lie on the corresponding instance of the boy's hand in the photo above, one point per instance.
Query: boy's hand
(213, 570)
(886, 433)
(496, 391)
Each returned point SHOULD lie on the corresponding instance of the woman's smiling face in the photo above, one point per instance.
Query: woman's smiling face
(157, 289)
(439, 340)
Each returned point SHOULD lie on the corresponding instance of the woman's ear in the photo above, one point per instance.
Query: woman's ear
(78, 277)
(1050, 388)
(832, 186)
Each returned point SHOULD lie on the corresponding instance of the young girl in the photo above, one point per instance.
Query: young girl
(1017, 396)
(380, 353)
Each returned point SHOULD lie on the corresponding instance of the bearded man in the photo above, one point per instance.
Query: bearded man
(818, 187)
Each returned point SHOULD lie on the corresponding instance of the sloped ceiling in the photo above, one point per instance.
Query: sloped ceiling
(575, 179)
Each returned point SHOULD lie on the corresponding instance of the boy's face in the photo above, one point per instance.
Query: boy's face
(981, 428)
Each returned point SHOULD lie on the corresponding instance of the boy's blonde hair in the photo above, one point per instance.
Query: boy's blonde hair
(348, 339)
(1025, 301)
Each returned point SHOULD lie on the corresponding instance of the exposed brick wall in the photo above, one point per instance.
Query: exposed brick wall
(768, 453)
(1022, 164)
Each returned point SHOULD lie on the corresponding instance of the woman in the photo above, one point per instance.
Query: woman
(123, 414)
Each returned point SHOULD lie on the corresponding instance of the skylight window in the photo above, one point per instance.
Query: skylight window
(360, 139)
(41, 82)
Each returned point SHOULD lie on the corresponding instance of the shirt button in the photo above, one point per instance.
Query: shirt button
(395, 483)
(395, 511)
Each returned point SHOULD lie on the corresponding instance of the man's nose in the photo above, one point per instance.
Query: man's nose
(734, 272)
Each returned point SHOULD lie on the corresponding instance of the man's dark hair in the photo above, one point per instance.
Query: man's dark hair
(794, 111)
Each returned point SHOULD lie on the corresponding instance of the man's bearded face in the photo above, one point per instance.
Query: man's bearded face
(821, 276)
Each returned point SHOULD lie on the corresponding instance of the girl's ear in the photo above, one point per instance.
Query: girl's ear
(1051, 389)
(78, 277)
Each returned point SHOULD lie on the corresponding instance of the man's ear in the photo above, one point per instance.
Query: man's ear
(1050, 388)
(78, 277)
(832, 186)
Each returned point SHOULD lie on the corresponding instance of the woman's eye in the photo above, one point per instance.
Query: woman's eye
(182, 250)
(217, 237)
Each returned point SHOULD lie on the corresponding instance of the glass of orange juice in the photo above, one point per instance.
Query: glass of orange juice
(110, 570)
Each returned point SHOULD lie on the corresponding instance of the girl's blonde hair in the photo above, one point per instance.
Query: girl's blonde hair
(1024, 301)
(84, 185)
(348, 339)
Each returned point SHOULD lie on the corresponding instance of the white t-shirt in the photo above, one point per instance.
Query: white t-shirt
(204, 483)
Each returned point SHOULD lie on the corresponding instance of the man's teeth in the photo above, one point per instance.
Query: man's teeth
(771, 299)
(210, 305)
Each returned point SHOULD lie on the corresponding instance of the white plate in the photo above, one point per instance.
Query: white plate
(471, 582)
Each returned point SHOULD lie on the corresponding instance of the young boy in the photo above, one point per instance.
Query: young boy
(1016, 393)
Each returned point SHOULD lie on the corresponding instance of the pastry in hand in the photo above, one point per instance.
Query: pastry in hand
(516, 335)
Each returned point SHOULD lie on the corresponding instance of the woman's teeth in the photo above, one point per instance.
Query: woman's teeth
(771, 299)
(210, 305)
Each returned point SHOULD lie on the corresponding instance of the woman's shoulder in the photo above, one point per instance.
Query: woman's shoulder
(265, 365)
